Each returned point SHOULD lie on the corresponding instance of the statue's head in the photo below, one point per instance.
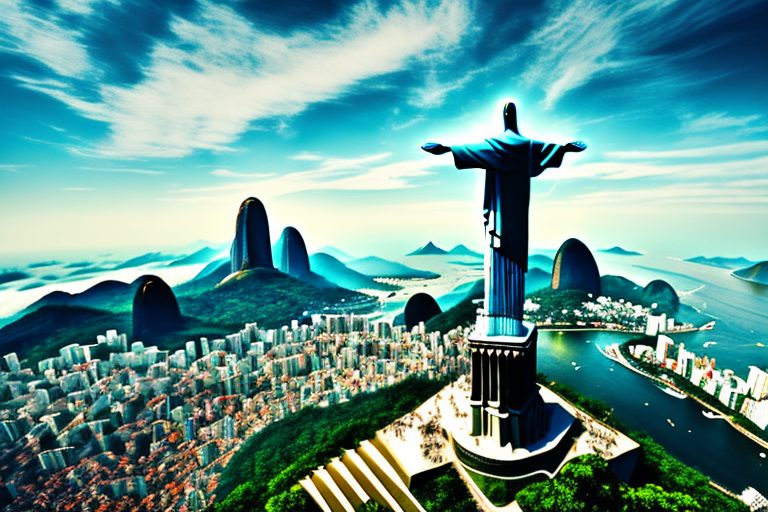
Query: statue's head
(510, 117)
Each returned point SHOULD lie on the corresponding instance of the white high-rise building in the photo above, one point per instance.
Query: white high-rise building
(662, 345)
(757, 381)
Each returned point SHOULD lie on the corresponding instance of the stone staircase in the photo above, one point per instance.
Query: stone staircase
(367, 473)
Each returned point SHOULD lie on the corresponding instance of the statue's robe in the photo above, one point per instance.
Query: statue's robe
(510, 161)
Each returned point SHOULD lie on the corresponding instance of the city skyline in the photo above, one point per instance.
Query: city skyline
(152, 135)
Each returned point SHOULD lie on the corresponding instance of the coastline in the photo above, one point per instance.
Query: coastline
(751, 281)
(619, 358)
(571, 328)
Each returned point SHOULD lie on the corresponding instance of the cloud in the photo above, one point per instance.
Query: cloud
(307, 156)
(407, 124)
(623, 170)
(742, 160)
(434, 91)
(14, 168)
(28, 30)
(577, 42)
(219, 73)
(572, 46)
(125, 170)
(722, 121)
(738, 149)
(361, 173)
(227, 173)
(679, 193)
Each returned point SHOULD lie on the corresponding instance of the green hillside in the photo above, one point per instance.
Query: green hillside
(263, 473)
(266, 296)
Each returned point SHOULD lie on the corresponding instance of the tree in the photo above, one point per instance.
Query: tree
(651, 498)
(584, 484)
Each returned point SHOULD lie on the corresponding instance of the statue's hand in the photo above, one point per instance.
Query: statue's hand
(575, 146)
(435, 148)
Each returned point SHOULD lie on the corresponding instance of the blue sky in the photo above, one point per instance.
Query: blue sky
(145, 124)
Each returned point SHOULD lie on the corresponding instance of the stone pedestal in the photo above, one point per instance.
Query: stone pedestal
(505, 401)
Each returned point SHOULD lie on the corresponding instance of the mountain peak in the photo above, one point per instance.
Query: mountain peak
(621, 251)
(463, 250)
(428, 250)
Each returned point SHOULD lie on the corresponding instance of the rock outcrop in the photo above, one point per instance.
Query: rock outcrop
(575, 268)
(155, 309)
(420, 308)
(662, 294)
(251, 247)
(292, 253)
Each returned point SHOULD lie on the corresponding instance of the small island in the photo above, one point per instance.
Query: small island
(757, 273)
(620, 251)
(721, 262)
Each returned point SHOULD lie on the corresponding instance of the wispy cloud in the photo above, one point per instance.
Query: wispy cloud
(228, 173)
(14, 168)
(76, 189)
(362, 173)
(722, 150)
(721, 121)
(233, 72)
(577, 42)
(434, 91)
(679, 193)
(125, 170)
(407, 124)
(306, 156)
(624, 170)
(27, 29)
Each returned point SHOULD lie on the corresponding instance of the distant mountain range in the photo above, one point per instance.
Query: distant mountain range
(336, 253)
(210, 307)
(463, 250)
(721, 262)
(203, 255)
(540, 261)
(430, 249)
(620, 251)
(13, 275)
(109, 295)
(338, 273)
(757, 273)
(373, 266)
(144, 259)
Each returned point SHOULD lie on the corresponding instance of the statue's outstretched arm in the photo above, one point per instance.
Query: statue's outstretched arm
(469, 156)
(435, 148)
(552, 155)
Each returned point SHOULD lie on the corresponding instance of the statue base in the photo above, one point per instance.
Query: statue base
(505, 401)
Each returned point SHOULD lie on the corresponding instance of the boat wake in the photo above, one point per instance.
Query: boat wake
(691, 292)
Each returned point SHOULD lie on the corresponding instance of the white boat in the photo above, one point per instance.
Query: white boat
(671, 392)
(671, 423)
(763, 455)
(712, 415)
(707, 326)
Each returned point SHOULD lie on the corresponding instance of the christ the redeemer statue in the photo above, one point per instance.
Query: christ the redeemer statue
(510, 161)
